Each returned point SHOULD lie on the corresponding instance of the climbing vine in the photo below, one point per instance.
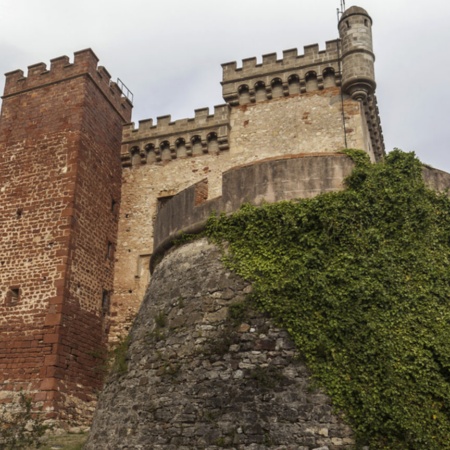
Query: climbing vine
(361, 280)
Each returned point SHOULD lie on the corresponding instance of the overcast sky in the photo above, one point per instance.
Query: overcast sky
(169, 52)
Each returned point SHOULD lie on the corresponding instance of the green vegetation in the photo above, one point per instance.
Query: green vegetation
(361, 280)
(66, 441)
(19, 427)
(117, 359)
(161, 320)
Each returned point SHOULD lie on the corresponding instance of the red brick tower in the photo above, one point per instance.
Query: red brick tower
(60, 172)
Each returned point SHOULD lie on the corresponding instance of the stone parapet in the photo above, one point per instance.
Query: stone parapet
(85, 63)
(166, 140)
(436, 179)
(271, 180)
(293, 74)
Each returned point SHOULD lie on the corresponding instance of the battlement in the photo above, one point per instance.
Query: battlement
(293, 74)
(61, 69)
(166, 140)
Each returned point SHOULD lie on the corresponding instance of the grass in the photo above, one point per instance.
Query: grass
(67, 441)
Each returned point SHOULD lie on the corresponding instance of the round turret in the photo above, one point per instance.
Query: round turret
(355, 31)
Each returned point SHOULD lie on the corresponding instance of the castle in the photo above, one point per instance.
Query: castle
(81, 187)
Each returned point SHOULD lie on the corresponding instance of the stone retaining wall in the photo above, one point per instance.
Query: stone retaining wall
(198, 379)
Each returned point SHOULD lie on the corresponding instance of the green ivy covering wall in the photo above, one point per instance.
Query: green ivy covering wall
(361, 280)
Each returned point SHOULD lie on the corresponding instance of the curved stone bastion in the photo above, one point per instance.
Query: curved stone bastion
(267, 181)
(207, 372)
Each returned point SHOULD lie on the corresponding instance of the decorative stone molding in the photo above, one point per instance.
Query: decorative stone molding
(293, 74)
(166, 140)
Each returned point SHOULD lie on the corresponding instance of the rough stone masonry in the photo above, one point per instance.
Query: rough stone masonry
(207, 372)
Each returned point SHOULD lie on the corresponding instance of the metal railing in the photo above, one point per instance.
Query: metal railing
(125, 91)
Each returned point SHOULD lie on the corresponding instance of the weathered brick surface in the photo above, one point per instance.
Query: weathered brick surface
(59, 173)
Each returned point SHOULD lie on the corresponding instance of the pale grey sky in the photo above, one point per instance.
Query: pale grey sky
(169, 52)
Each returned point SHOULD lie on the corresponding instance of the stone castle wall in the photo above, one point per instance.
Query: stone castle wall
(306, 114)
(292, 106)
(268, 181)
(198, 379)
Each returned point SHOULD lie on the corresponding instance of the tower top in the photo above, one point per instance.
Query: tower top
(355, 10)
(355, 31)
(85, 64)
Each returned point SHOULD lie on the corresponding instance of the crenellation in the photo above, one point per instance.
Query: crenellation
(104, 74)
(59, 63)
(115, 89)
(310, 51)
(269, 58)
(246, 80)
(290, 56)
(85, 64)
(85, 59)
(201, 114)
(248, 64)
(312, 55)
(37, 69)
(179, 136)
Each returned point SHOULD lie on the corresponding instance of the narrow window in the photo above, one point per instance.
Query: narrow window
(105, 303)
(113, 205)
(109, 250)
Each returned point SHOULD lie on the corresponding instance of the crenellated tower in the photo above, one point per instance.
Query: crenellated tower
(60, 189)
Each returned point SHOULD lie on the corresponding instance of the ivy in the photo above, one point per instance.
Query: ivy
(361, 280)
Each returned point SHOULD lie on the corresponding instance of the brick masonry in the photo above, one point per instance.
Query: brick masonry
(60, 175)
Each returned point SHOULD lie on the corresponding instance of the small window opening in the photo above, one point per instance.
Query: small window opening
(105, 303)
(113, 205)
(348, 24)
(19, 213)
(366, 23)
(109, 250)
(13, 296)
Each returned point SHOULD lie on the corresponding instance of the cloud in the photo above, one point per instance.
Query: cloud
(169, 53)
